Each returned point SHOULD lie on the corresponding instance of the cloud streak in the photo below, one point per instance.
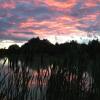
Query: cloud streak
(24, 19)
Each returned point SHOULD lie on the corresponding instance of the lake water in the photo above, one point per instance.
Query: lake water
(12, 82)
(31, 84)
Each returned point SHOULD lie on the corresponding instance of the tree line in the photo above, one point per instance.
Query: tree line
(75, 68)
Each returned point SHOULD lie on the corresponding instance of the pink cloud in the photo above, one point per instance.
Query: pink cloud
(58, 26)
(68, 17)
(8, 4)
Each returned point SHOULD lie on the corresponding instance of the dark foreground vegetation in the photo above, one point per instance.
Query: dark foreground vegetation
(72, 71)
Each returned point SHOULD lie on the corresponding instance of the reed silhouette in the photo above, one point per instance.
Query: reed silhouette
(68, 71)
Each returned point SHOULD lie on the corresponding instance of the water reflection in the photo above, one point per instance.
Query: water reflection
(20, 81)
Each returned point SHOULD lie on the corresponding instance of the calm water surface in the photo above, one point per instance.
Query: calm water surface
(30, 83)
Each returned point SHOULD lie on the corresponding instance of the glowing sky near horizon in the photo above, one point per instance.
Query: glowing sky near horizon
(55, 20)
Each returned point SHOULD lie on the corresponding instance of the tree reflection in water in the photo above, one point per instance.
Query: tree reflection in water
(49, 83)
(46, 72)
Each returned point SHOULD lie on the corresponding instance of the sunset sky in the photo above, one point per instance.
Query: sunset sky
(55, 20)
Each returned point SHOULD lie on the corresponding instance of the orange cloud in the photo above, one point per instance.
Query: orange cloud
(91, 3)
(60, 5)
(55, 3)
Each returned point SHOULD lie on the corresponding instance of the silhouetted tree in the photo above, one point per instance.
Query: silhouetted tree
(73, 68)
